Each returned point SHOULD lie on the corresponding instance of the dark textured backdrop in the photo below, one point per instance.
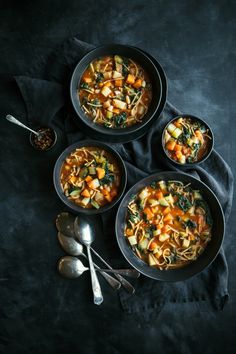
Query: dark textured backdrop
(195, 42)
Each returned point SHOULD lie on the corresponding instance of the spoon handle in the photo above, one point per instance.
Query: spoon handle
(123, 281)
(13, 120)
(132, 273)
(115, 284)
(97, 293)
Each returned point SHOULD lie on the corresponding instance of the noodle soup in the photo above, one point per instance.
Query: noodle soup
(90, 177)
(168, 224)
(115, 92)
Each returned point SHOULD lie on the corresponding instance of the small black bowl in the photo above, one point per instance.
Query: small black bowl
(39, 144)
(210, 147)
(193, 268)
(159, 93)
(57, 171)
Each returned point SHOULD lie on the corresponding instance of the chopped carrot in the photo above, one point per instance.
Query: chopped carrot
(108, 197)
(100, 172)
(168, 218)
(129, 232)
(138, 83)
(88, 178)
(170, 145)
(73, 179)
(85, 193)
(118, 82)
(165, 229)
(177, 147)
(148, 213)
(130, 79)
(178, 154)
(116, 110)
(107, 84)
(87, 79)
(159, 195)
(153, 245)
(166, 211)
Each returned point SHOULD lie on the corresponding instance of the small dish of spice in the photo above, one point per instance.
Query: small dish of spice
(45, 140)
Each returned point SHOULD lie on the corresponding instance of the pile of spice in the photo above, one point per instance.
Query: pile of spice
(45, 140)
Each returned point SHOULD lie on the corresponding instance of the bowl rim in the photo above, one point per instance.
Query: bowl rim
(179, 274)
(205, 157)
(123, 131)
(57, 169)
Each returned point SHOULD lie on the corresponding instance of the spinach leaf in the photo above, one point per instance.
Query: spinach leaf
(125, 67)
(183, 203)
(84, 85)
(190, 224)
(120, 119)
(99, 77)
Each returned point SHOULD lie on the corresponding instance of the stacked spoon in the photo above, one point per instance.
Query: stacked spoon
(73, 233)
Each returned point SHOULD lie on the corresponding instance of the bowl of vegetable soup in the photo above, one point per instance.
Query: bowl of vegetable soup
(89, 177)
(117, 91)
(170, 226)
(187, 141)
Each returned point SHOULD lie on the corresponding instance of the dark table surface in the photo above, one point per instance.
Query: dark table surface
(39, 311)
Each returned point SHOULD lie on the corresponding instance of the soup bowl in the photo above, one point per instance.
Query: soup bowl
(58, 169)
(192, 268)
(159, 91)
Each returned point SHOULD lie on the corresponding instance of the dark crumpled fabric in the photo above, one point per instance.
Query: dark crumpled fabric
(47, 101)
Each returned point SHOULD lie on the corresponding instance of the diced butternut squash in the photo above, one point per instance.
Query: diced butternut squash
(178, 147)
(87, 79)
(130, 79)
(166, 211)
(153, 245)
(73, 179)
(88, 178)
(85, 193)
(138, 83)
(129, 232)
(94, 183)
(119, 83)
(148, 213)
(171, 145)
(100, 172)
(159, 195)
(168, 218)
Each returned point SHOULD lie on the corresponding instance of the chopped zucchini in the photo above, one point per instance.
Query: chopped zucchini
(144, 194)
(189, 142)
(176, 133)
(151, 260)
(85, 201)
(109, 115)
(163, 202)
(163, 237)
(196, 195)
(169, 199)
(75, 193)
(118, 59)
(186, 243)
(182, 159)
(156, 232)
(92, 170)
(171, 127)
(132, 240)
(142, 203)
(153, 202)
(95, 204)
(83, 172)
(143, 244)
(162, 184)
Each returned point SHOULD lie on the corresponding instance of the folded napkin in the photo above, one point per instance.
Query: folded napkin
(44, 99)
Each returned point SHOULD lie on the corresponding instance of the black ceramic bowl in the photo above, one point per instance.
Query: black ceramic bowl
(57, 171)
(157, 77)
(203, 260)
(205, 156)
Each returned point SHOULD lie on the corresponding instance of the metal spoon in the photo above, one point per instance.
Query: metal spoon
(65, 224)
(13, 120)
(79, 224)
(86, 237)
(70, 266)
(74, 248)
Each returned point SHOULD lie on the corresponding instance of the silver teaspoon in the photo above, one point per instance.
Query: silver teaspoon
(13, 120)
(86, 237)
(74, 248)
(77, 231)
